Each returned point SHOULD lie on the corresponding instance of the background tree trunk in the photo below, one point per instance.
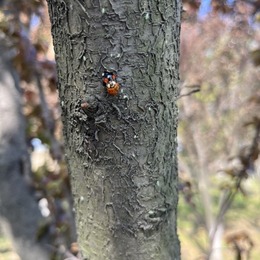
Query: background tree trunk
(121, 150)
(19, 212)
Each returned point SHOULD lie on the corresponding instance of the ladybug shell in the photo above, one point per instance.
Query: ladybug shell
(105, 81)
(113, 89)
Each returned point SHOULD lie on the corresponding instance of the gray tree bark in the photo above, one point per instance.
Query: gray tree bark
(121, 150)
(19, 212)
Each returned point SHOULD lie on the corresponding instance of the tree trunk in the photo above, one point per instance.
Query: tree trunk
(19, 212)
(121, 150)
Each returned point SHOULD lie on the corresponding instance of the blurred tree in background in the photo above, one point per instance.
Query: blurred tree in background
(219, 130)
(218, 134)
(26, 43)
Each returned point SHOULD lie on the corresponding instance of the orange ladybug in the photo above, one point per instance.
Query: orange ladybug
(112, 88)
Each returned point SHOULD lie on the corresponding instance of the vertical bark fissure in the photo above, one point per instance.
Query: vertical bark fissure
(122, 150)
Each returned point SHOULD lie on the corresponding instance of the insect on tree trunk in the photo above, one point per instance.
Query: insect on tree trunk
(120, 148)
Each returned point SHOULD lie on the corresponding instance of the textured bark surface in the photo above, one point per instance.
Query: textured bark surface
(122, 150)
(19, 210)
